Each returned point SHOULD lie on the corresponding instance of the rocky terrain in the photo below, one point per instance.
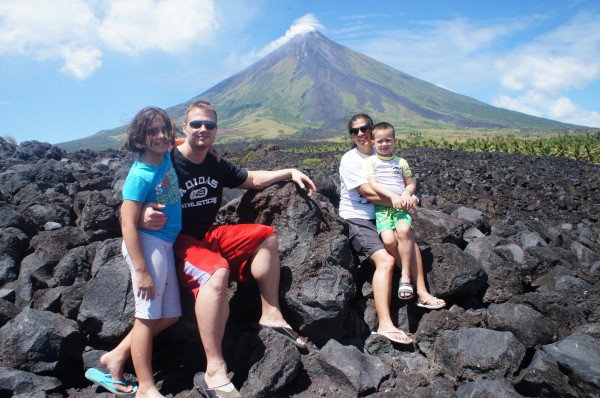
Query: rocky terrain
(512, 243)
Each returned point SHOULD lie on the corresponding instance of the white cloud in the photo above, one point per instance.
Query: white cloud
(134, 26)
(568, 57)
(559, 108)
(537, 74)
(304, 24)
(78, 32)
(80, 62)
(550, 74)
(26, 27)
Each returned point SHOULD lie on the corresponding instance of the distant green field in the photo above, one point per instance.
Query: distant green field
(585, 147)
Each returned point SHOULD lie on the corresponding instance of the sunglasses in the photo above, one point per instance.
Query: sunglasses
(364, 129)
(196, 124)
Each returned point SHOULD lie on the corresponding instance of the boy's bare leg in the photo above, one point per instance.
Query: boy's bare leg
(388, 237)
(406, 251)
(419, 277)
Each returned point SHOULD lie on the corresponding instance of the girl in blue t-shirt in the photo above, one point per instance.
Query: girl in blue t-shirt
(149, 254)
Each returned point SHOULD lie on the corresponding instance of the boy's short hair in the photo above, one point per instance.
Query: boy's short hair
(381, 126)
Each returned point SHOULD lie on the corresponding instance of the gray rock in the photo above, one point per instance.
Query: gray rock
(544, 378)
(20, 383)
(502, 280)
(487, 388)
(510, 251)
(7, 311)
(454, 273)
(477, 353)
(74, 265)
(441, 228)
(10, 216)
(107, 307)
(584, 256)
(435, 322)
(527, 324)
(350, 370)
(13, 243)
(530, 239)
(98, 215)
(274, 363)
(40, 341)
(472, 215)
(51, 226)
(579, 356)
(472, 233)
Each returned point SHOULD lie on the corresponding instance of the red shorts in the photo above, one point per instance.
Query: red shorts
(225, 246)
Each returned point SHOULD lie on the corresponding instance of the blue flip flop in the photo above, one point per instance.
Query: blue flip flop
(104, 380)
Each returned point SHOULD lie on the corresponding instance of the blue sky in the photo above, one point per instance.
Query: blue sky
(70, 68)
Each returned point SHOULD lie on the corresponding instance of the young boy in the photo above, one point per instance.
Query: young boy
(391, 177)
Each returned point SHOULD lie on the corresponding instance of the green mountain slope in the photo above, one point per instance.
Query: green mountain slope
(308, 89)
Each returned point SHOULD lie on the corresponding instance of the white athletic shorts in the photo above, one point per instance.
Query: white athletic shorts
(161, 265)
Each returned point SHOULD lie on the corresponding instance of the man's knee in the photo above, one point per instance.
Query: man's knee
(271, 243)
(219, 280)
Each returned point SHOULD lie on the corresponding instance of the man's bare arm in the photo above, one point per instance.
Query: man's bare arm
(151, 217)
(260, 179)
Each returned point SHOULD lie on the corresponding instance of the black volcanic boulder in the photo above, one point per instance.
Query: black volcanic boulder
(272, 359)
(543, 378)
(351, 371)
(41, 342)
(50, 172)
(13, 243)
(11, 216)
(477, 353)
(98, 216)
(528, 325)
(107, 308)
(454, 272)
(7, 311)
(503, 279)
(579, 357)
(26, 384)
(316, 284)
(487, 388)
(37, 268)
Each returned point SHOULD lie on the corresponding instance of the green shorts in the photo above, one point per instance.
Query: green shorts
(387, 218)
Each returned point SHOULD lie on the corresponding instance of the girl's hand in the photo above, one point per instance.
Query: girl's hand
(145, 285)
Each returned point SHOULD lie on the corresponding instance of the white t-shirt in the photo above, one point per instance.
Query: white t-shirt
(389, 172)
(352, 176)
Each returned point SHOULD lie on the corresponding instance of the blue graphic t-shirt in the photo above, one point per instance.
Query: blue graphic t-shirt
(158, 184)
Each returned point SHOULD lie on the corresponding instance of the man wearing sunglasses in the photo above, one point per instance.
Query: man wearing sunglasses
(209, 256)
